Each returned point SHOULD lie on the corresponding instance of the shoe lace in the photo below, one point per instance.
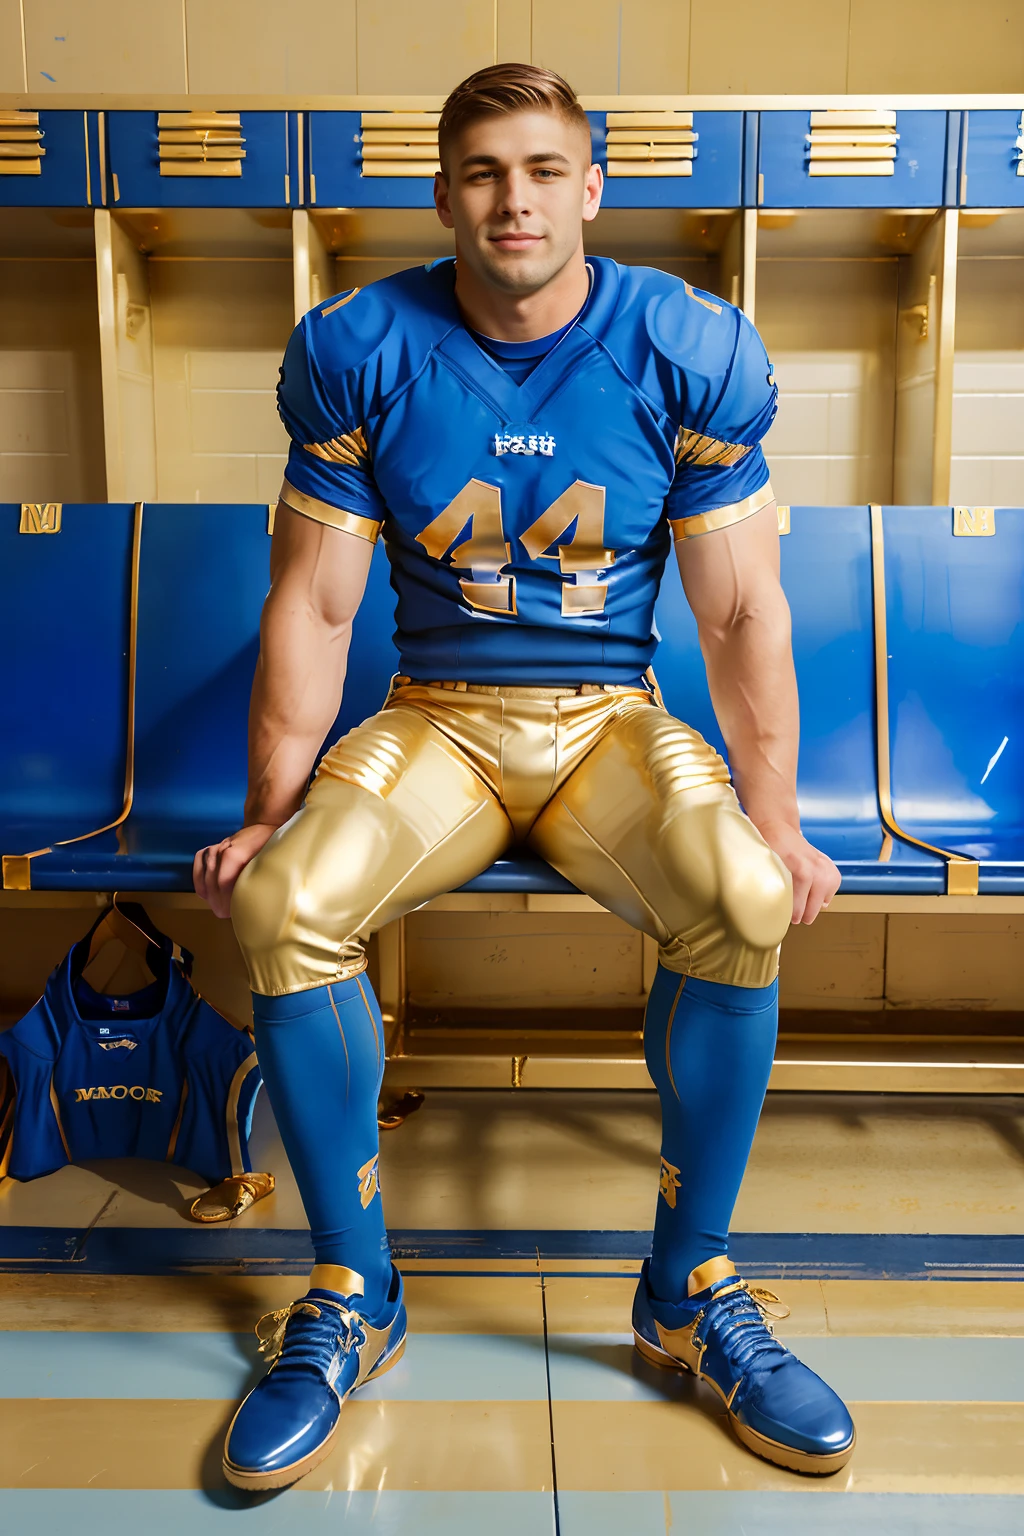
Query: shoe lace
(740, 1319)
(306, 1334)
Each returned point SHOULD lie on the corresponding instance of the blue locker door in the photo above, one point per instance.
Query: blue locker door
(716, 181)
(919, 170)
(267, 179)
(66, 176)
(994, 161)
(336, 180)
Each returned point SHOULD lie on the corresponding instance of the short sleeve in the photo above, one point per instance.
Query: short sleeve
(721, 475)
(329, 476)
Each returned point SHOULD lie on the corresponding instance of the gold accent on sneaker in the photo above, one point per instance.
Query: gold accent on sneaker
(337, 1277)
(707, 1273)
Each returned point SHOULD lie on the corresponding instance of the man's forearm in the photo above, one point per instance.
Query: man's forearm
(753, 690)
(295, 698)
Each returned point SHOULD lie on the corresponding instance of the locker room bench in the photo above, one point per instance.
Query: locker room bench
(63, 704)
(202, 576)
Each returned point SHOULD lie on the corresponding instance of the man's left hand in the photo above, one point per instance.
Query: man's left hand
(815, 877)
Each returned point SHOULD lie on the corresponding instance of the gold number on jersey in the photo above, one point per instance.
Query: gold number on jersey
(486, 550)
(585, 550)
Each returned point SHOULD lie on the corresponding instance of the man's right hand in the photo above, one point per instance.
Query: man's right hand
(215, 869)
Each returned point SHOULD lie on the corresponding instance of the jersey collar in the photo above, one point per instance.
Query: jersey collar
(489, 381)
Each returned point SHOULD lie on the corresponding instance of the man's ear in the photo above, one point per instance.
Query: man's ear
(441, 202)
(592, 189)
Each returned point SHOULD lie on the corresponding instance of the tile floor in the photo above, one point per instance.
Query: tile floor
(520, 1405)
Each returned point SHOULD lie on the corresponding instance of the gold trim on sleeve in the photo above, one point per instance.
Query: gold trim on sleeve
(722, 517)
(338, 303)
(335, 517)
(695, 448)
(716, 309)
(347, 448)
(961, 873)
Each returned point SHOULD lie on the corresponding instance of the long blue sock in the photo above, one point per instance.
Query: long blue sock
(321, 1053)
(709, 1049)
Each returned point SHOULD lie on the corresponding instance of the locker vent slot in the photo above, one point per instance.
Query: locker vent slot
(200, 143)
(651, 143)
(399, 144)
(21, 147)
(849, 143)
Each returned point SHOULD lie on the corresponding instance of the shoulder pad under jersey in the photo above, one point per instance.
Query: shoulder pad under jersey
(724, 375)
(401, 315)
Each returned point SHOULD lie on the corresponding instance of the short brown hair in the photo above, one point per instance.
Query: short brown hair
(502, 88)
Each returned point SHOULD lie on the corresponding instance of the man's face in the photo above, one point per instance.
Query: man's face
(519, 186)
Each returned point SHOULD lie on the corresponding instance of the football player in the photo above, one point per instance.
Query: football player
(531, 430)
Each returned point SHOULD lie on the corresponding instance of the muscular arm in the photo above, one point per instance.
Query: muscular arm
(318, 575)
(731, 580)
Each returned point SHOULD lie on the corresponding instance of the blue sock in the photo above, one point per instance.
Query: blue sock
(321, 1053)
(709, 1049)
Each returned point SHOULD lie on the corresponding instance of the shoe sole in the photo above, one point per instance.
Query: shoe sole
(281, 1477)
(770, 1450)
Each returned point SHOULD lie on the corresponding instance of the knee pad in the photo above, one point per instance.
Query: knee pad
(756, 888)
(280, 925)
(260, 903)
(743, 912)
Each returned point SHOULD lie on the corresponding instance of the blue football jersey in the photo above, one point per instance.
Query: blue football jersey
(527, 524)
(156, 1074)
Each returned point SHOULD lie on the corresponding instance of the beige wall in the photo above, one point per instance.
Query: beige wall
(606, 46)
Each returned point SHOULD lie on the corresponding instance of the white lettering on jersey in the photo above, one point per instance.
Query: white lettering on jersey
(527, 443)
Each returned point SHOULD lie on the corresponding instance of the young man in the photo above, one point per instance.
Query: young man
(531, 430)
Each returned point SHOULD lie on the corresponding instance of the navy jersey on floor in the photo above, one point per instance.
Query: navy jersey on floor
(156, 1074)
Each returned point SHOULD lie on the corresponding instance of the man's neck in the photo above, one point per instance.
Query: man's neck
(511, 317)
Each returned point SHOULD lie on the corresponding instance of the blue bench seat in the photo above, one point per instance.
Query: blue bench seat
(956, 683)
(204, 573)
(65, 623)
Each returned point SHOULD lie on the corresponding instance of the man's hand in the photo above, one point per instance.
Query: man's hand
(815, 877)
(215, 869)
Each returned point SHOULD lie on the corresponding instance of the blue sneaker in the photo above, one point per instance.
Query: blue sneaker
(777, 1407)
(320, 1349)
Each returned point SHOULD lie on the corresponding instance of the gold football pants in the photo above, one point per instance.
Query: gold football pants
(628, 803)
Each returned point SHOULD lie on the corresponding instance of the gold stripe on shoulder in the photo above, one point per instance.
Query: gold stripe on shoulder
(347, 448)
(335, 517)
(722, 517)
(339, 303)
(695, 448)
(716, 309)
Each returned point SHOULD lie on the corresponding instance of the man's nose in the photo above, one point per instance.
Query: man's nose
(515, 199)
